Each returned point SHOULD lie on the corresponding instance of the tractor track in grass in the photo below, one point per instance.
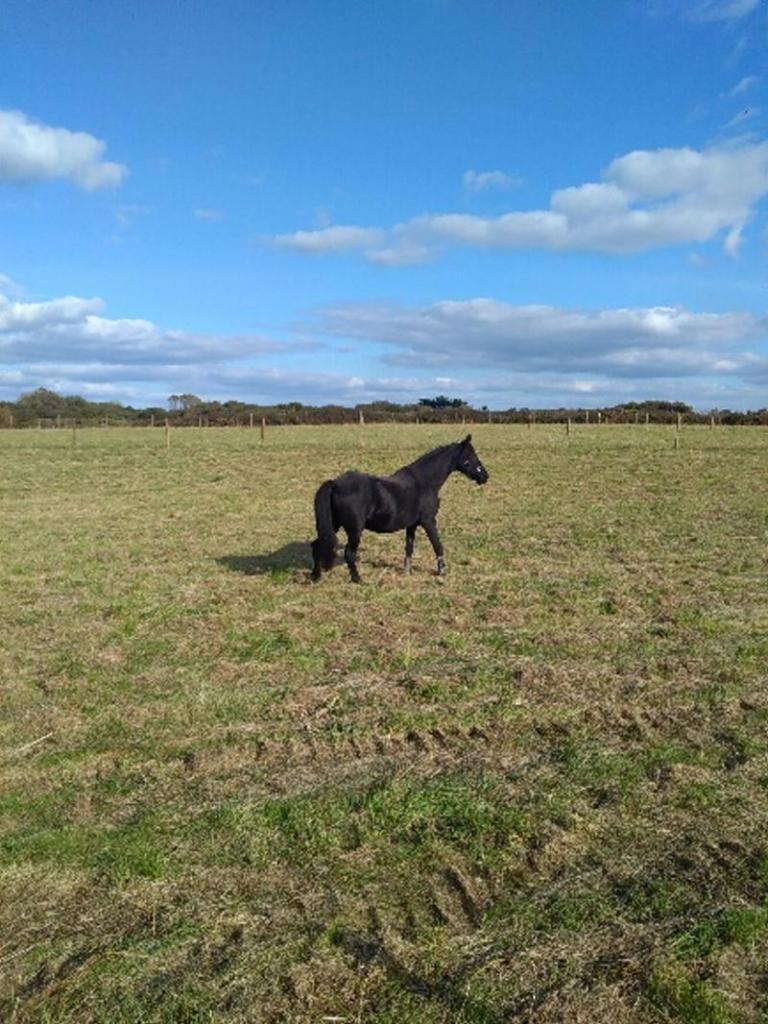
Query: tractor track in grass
(515, 748)
(306, 761)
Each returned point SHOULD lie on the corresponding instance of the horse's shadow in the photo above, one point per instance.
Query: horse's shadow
(292, 556)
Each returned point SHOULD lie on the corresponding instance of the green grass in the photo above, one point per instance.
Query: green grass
(534, 790)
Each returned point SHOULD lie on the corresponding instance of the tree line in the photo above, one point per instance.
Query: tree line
(43, 407)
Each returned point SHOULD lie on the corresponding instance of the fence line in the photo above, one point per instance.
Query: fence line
(678, 422)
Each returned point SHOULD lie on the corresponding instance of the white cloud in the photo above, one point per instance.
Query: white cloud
(9, 288)
(71, 331)
(743, 115)
(489, 334)
(128, 213)
(484, 350)
(402, 254)
(647, 199)
(339, 238)
(36, 152)
(26, 316)
(734, 240)
(743, 85)
(483, 181)
(206, 214)
(719, 10)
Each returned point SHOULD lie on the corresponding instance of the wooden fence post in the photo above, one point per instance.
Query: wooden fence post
(263, 425)
(568, 426)
(167, 433)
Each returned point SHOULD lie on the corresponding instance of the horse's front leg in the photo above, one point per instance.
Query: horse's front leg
(437, 545)
(410, 537)
(350, 554)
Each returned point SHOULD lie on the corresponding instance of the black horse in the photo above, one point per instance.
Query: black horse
(402, 501)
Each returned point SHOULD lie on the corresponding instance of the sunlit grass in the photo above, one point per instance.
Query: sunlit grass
(533, 790)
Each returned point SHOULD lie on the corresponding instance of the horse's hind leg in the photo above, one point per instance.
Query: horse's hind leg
(316, 563)
(350, 554)
(437, 545)
(410, 536)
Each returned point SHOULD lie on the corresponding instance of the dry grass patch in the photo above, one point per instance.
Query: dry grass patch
(534, 791)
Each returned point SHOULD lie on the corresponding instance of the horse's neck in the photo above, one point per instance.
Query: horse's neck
(434, 467)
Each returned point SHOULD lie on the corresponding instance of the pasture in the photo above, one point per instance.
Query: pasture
(535, 790)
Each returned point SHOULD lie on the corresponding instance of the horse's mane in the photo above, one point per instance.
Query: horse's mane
(428, 456)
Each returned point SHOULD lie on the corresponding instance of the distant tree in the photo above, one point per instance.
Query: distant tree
(46, 405)
(152, 412)
(442, 402)
(40, 404)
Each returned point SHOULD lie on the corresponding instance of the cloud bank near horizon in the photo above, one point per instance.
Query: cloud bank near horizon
(485, 350)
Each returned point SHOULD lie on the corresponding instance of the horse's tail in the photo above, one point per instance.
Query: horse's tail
(324, 548)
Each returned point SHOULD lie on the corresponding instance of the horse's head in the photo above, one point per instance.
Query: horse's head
(468, 463)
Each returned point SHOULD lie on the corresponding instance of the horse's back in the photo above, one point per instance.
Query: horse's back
(351, 483)
(352, 498)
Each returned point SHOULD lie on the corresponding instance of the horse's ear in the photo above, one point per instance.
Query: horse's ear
(467, 439)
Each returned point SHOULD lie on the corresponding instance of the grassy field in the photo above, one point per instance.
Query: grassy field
(534, 791)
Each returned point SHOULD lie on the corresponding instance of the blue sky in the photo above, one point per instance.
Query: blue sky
(517, 204)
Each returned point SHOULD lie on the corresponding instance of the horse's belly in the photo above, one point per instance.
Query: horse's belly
(385, 522)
